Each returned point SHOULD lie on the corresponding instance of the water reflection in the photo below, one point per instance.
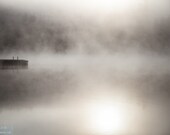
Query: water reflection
(53, 97)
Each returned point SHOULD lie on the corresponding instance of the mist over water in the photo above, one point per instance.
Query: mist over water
(79, 56)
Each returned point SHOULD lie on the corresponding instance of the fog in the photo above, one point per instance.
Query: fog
(80, 53)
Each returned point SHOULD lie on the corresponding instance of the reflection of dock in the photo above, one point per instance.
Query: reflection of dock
(13, 64)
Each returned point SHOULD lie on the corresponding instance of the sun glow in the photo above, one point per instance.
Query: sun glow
(112, 5)
(106, 118)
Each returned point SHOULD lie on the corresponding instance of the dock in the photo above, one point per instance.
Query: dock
(13, 64)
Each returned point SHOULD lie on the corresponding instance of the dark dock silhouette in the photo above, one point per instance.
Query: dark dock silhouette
(13, 63)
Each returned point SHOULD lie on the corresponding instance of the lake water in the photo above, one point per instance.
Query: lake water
(53, 95)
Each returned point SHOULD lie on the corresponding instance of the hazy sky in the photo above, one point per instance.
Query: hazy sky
(91, 6)
(87, 25)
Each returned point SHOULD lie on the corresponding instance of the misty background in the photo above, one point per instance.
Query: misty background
(79, 52)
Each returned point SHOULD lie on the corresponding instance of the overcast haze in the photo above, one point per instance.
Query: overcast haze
(82, 52)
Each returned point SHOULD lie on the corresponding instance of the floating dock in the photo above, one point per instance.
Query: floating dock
(13, 64)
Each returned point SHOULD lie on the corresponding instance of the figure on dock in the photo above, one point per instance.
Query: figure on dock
(13, 63)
